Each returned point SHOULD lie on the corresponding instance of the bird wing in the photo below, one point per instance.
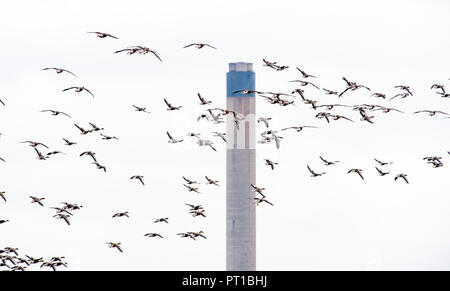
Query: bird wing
(69, 72)
(312, 172)
(69, 88)
(210, 46)
(87, 90)
(342, 93)
(156, 55)
(359, 173)
(189, 45)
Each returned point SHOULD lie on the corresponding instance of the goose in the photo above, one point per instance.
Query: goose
(40, 155)
(325, 115)
(185, 234)
(152, 234)
(205, 142)
(305, 83)
(260, 200)
(138, 177)
(358, 171)
(34, 143)
(34, 260)
(71, 206)
(9, 250)
(431, 112)
(220, 134)
(247, 92)
(268, 64)
(191, 189)
(164, 219)
(197, 234)
(265, 120)
(437, 86)
(121, 214)
(387, 109)
(95, 127)
(401, 95)
(107, 137)
(54, 153)
(199, 45)
(382, 163)
(337, 117)
(194, 207)
(312, 102)
(210, 181)
(280, 68)
(328, 163)
(331, 106)
(89, 153)
(57, 259)
(60, 210)
(103, 34)
(141, 50)
(330, 92)
(62, 216)
(406, 88)
(270, 163)
(55, 112)
(203, 115)
(196, 213)
(258, 189)
(172, 140)
(381, 172)
(100, 167)
(305, 75)
(189, 182)
(366, 117)
(58, 70)
(217, 119)
(351, 86)
(2, 194)
(115, 245)
(68, 142)
(403, 176)
(299, 128)
(37, 200)
(142, 109)
(379, 95)
(299, 92)
(79, 89)
(203, 101)
(170, 107)
(83, 131)
(314, 174)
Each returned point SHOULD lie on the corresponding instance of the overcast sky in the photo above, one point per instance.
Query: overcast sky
(336, 221)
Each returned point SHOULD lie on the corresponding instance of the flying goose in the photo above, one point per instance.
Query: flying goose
(121, 214)
(351, 86)
(299, 128)
(437, 86)
(199, 45)
(139, 49)
(330, 92)
(402, 176)
(331, 106)
(37, 200)
(325, 115)
(185, 234)
(89, 153)
(172, 140)
(382, 163)
(189, 182)
(305, 83)
(220, 134)
(194, 207)
(196, 213)
(34, 143)
(299, 92)
(247, 92)
(138, 177)
(358, 171)
(115, 245)
(406, 88)
(191, 189)
(305, 75)
(83, 131)
(197, 234)
(107, 137)
(164, 219)
(95, 127)
(59, 70)
(205, 142)
(68, 142)
(170, 107)
(366, 117)
(217, 119)
(265, 120)
(203, 101)
(431, 112)
(381, 172)
(328, 163)
(103, 34)
(55, 112)
(40, 155)
(100, 167)
(142, 109)
(388, 109)
(270, 163)
(62, 216)
(152, 234)
(79, 89)
(401, 95)
(260, 200)
(210, 181)
(314, 174)
(258, 189)
(203, 115)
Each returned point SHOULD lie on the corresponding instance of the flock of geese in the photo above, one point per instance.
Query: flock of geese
(9, 258)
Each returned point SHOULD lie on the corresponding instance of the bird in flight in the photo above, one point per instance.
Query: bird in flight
(203, 101)
(221, 135)
(138, 177)
(121, 214)
(330, 92)
(103, 34)
(405, 88)
(89, 153)
(211, 181)
(37, 200)
(142, 109)
(260, 200)
(172, 140)
(270, 163)
(265, 120)
(299, 128)
(79, 89)
(115, 245)
(403, 176)
(83, 131)
(381, 172)
(34, 143)
(55, 112)
(314, 174)
(382, 163)
(139, 49)
(190, 182)
(191, 189)
(304, 74)
(163, 219)
(170, 107)
(152, 234)
(59, 70)
(328, 163)
(431, 112)
(199, 45)
(358, 171)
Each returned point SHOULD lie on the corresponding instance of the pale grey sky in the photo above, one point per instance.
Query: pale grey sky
(333, 222)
